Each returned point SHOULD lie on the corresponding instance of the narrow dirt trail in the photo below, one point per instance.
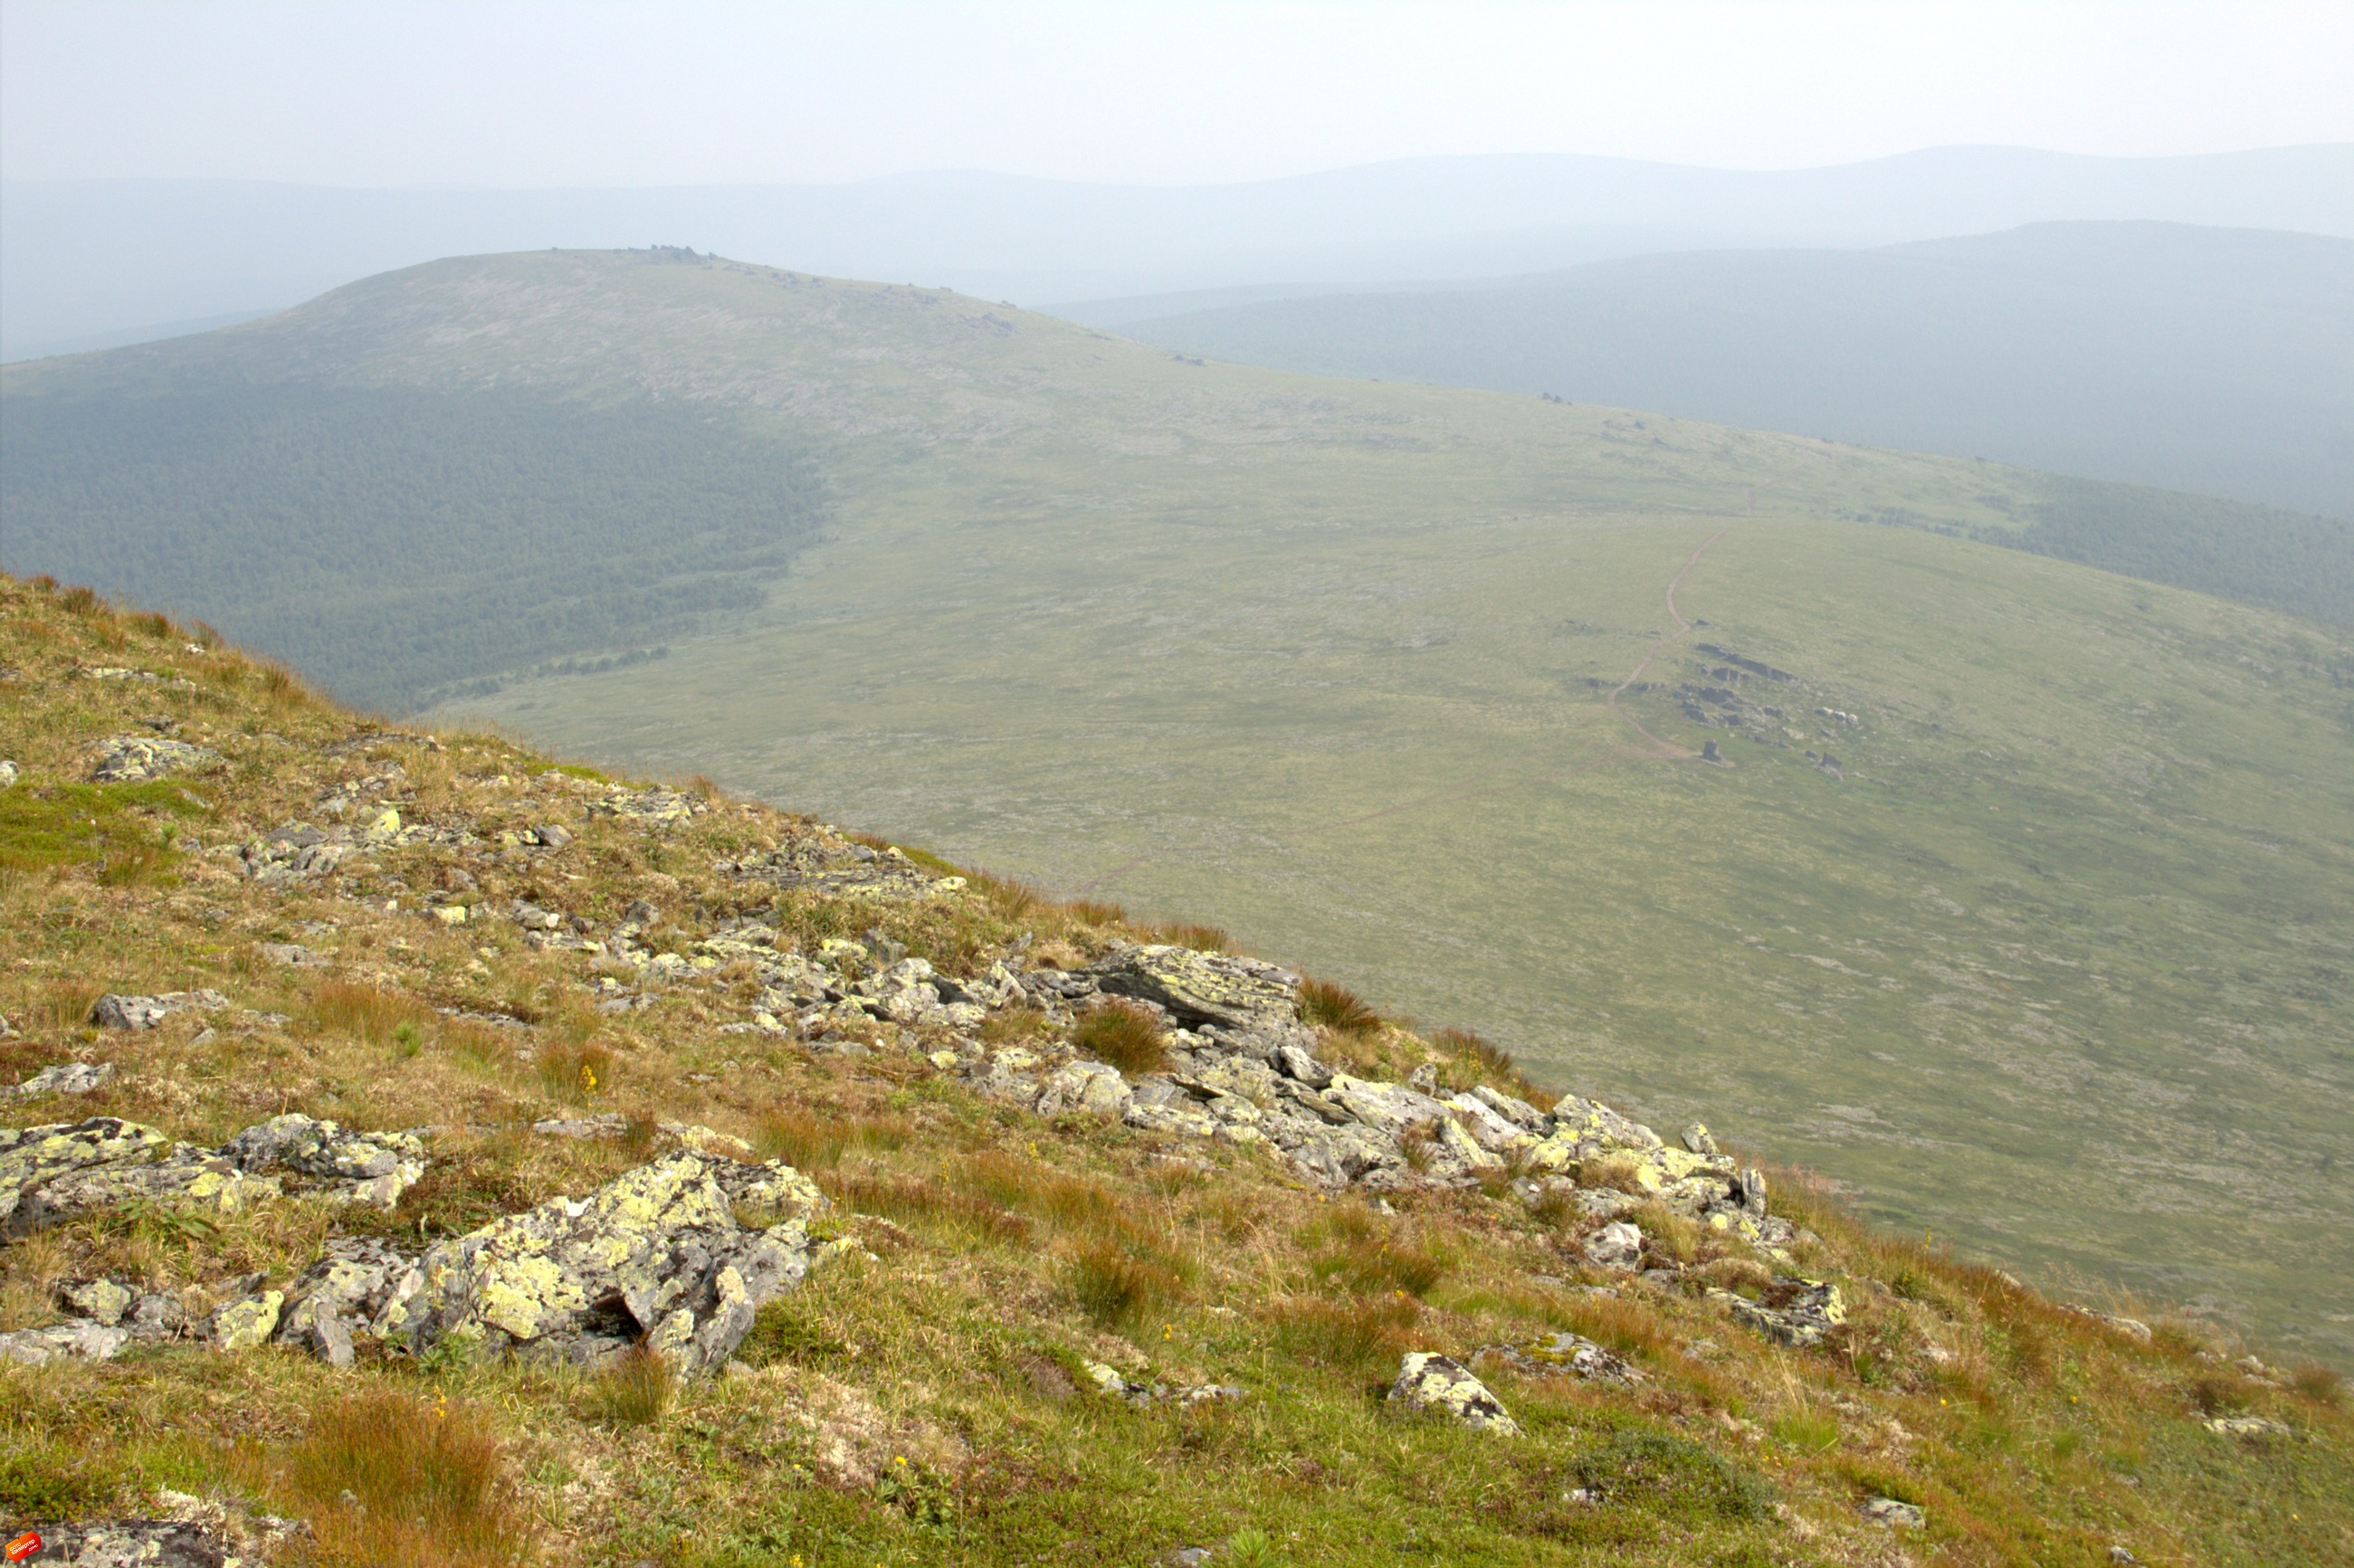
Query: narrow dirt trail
(1658, 751)
(1664, 749)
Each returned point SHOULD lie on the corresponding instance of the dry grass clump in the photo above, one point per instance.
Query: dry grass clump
(819, 1140)
(1497, 1062)
(1092, 912)
(390, 1481)
(635, 1391)
(1124, 1034)
(1351, 1249)
(63, 1006)
(2321, 1384)
(1619, 1173)
(919, 1200)
(1117, 1285)
(1010, 898)
(1333, 1007)
(574, 1074)
(364, 1013)
(1351, 1335)
(1190, 933)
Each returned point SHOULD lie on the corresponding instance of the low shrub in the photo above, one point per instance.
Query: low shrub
(1664, 1474)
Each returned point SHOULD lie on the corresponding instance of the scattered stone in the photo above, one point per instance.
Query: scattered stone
(294, 955)
(1697, 1141)
(2133, 1328)
(1896, 1514)
(1563, 1353)
(54, 1172)
(341, 1296)
(1434, 1382)
(656, 807)
(80, 1339)
(1618, 1244)
(136, 758)
(2247, 1426)
(605, 1124)
(1792, 1311)
(1112, 1385)
(242, 1325)
(67, 1078)
(113, 1012)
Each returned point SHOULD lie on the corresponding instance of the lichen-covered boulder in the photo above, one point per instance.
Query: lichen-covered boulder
(51, 1173)
(67, 1078)
(1562, 1355)
(655, 1255)
(360, 1167)
(135, 759)
(1387, 1108)
(243, 1324)
(1440, 1383)
(1095, 1087)
(113, 1012)
(340, 1296)
(1618, 1244)
(1790, 1310)
(1203, 988)
(80, 1339)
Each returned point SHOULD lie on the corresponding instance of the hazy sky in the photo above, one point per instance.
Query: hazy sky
(441, 92)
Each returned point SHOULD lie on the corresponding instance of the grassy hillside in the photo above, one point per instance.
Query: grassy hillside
(1027, 1330)
(2200, 359)
(2054, 967)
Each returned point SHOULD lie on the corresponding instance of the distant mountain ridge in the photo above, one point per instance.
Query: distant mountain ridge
(2211, 360)
(83, 258)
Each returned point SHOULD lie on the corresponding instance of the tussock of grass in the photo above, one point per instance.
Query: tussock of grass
(1673, 1477)
(920, 1200)
(635, 1391)
(1190, 933)
(819, 1141)
(392, 1481)
(1123, 1035)
(365, 1011)
(1353, 1249)
(574, 1074)
(1331, 1006)
(1118, 1286)
(1359, 1335)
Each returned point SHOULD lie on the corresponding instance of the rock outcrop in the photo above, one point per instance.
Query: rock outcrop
(655, 1256)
